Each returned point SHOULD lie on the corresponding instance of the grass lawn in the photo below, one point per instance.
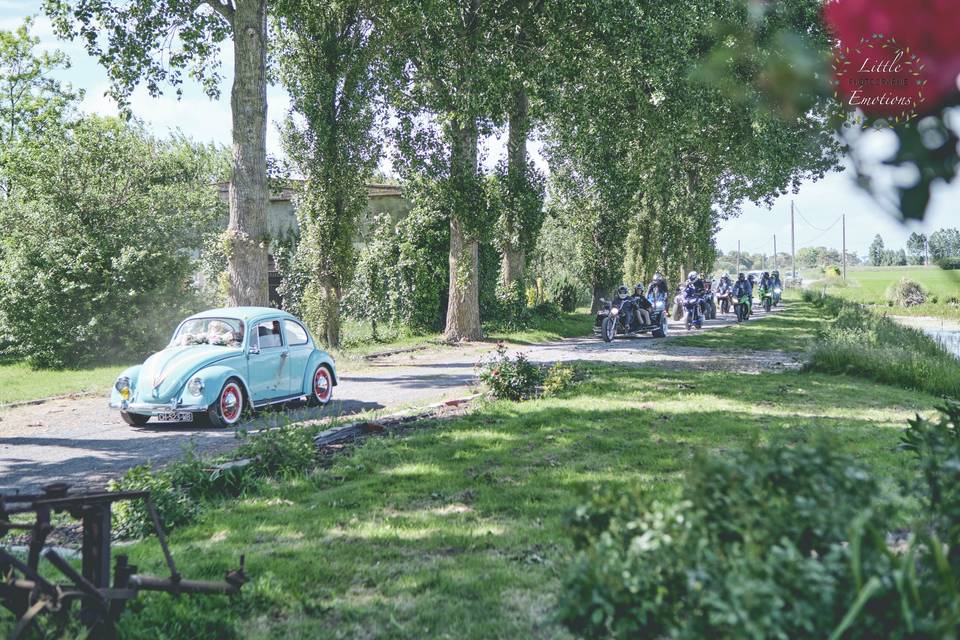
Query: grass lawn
(457, 530)
(868, 285)
(790, 329)
(20, 382)
(359, 341)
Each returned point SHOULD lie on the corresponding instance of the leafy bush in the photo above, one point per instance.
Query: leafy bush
(754, 548)
(949, 264)
(785, 542)
(175, 506)
(95, 256)
(511, 305)
(906, 293)
(280, 451)
(831, 272)
(564, 293)
(510, 378)
(559, 377)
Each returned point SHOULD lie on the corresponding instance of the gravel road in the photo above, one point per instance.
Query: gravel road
(83, 442)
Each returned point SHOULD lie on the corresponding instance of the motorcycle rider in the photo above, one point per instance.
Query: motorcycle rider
(643, 305)
(775, 275)
(627, 306)
(742, 287)
(765, 281)
(693, 290)
(658, 285)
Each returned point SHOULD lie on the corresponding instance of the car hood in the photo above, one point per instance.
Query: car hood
(165, 372)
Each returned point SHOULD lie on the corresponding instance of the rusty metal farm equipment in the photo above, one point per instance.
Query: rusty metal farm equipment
(26, 591)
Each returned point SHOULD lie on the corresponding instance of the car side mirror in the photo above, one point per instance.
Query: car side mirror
(254, 349)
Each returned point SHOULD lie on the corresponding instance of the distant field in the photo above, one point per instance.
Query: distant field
(868, 285)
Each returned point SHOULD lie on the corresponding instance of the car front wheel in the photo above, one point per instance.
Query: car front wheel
(321, 391)
(228, 408)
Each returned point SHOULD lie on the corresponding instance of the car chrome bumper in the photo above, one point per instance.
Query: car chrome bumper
(146, 409)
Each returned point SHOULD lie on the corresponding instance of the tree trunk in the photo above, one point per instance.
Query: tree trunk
(599, 291)
(513, 260)
(331, 318)
(247, 255)
(463, 301)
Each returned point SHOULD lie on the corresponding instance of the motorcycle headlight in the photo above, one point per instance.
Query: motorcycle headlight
(122, 386)
(777, 290)
(659, 305)
(614, 311)
(195, 386)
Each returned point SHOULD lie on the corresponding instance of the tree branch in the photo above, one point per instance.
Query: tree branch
(224, 7)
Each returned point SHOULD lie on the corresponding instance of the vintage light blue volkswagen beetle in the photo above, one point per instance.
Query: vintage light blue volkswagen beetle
(223, 361)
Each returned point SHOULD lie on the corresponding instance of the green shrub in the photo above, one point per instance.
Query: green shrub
(950, 263)
(280, 451)
(115, 276)
(906, 293)
(754, 548)
(564, 293)
(831, 272)
(511, 306)
(175, 506)
(558, 378)
(510, 378)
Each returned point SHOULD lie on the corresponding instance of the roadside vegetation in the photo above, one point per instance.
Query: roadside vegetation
(466, 519)
(865, 343)
(874, 286)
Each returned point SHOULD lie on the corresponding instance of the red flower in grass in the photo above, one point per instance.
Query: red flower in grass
(882, 42)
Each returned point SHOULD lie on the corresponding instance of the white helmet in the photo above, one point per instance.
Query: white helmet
(693, 275)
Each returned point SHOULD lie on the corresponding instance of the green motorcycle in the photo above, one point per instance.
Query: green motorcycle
(766, 298)
(743, 307)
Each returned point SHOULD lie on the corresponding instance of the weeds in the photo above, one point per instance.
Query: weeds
(862, 342)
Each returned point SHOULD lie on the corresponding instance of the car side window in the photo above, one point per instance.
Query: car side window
(268, 334)
(296, 334)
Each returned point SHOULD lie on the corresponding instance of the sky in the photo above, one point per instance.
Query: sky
(818, 204)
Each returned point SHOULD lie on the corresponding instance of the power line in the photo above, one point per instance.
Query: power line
(814, 227)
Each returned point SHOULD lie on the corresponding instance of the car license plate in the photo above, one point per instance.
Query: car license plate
(175, 416)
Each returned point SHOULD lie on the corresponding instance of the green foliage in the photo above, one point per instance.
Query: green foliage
(510, 378)
(906, 293)
(175, 506)
(865, 343)
(564, 292)
(949, 264)
(755, 545)
(558, 378)
(281, 451)
(945, 243)
(34, 101)
(512, 309)
(95, 262)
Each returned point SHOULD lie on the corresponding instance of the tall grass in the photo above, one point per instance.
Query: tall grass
(865, 343)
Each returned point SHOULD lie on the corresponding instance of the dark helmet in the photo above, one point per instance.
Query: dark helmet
(751, 277)
(766, 274)
(622, 291)
(639, 289)
(740, 276)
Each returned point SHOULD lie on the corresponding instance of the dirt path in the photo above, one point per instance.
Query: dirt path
(83, 442)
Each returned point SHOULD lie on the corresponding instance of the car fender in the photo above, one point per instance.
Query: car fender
(318, 357)
(131, 373)
(213, 378)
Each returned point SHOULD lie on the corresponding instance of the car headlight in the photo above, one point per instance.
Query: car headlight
(195, 386)
(122, 386)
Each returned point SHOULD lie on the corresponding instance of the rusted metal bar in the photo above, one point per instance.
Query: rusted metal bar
(25, 592)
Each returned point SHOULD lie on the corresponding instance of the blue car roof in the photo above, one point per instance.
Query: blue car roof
(242, 313)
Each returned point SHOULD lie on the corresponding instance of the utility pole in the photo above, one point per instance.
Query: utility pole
(844, 227)
(775, 252)
(926, 251)
(793, 246)
(738, 256)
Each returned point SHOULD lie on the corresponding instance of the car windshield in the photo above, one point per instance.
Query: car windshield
(225, 332)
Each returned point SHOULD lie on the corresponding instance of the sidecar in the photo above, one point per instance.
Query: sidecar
(610, 323)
